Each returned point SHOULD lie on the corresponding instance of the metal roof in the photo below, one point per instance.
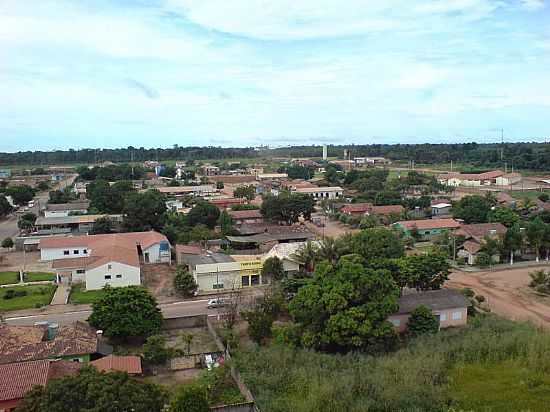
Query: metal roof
(434, 299)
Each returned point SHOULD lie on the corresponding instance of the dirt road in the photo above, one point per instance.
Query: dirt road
(507, 293)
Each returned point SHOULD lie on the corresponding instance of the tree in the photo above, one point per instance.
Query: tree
(126, 312)
(422, 322)
(259, 324)
(472, 209)
(26, 221)
(307, 255)
(186, 339)
(155, 351)
(21, 195)
(5, 207)
(544, 197)
(219, 185)
(247, 192)
(204, 213)
(7, 243)
(426, 271)
(513, 240)
(190, 398)
(43, 186)
(226, 223)
(535, 235)
(504, 215)
(95, 391)
(273, 269)
(144, 211)
(184, 282)
(287, 207)
(377, 243)
(60, 196)
(345, 307)
(491, 246)
(102, 225)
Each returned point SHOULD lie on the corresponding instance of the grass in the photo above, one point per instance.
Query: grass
(37, 295)
(527, 194)
(490, 365)
(7, 278)
(80, 295)
(39, 276)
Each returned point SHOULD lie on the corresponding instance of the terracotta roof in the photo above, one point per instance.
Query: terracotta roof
(478, 231)
(76, 339)
(188, 249)
(128, 364)
(429, 224)
(472, 176)
(227, 201)
(232, 178)
(356, 208)
(115, 247)
(245, 214)
(16, 379)
(387, 210)
(472, 246)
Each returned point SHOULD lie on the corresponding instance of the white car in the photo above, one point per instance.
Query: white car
(215, 303)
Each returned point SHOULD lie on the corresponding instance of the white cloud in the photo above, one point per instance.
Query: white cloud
(532, 5)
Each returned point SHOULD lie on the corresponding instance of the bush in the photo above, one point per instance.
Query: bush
(155, 351)
(422, 321)
(184, 283)
(483, 260)
(7, 243)
(540, 281)
(190, 398)
(14, 293)
(259, 324)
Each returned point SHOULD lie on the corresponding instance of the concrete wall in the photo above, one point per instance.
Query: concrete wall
(129, 275)
(58, 253)
(194, 321)
(205, 281)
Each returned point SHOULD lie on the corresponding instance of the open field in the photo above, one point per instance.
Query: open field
(80, 295)
(7, 278)
(507, 293)
(36, 295)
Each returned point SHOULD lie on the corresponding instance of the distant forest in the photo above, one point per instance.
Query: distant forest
(529, 156)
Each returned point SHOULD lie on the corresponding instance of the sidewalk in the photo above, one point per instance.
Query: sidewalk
(61, 295)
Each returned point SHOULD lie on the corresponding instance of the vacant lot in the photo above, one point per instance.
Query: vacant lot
(7, 278)
(507, 293)
(80, 295)
(26, 296)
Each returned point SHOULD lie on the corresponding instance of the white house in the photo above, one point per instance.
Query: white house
(99, 260)
(471, 179)
(65, 209)
(329, 192)
(508, 179)
(286, 252)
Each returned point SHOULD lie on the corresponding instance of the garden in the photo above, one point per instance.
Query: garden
(26, 297)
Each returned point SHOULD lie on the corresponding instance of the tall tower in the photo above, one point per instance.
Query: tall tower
(325, 152)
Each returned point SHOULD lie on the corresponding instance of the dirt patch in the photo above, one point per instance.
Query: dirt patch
(14, 260)
(332, 228)
(159, 279)
(507, 293)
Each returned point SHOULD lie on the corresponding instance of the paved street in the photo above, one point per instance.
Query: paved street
(185, 308)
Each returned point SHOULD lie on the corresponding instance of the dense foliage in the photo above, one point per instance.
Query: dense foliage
(287, 207)
(184, 282)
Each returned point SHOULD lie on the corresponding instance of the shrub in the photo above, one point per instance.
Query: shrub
(184, 283)
(155, 351)
(7, 243)
(483, 260)
(422, 321)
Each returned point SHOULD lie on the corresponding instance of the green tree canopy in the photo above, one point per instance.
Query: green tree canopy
(473, 209)
(144, 211)
(504, 215)
(190, 398)
(422, 321)
(273, 269)
(5, 206)
(287, 207)
(126, 312)
(246, 192)
(345, 307)
(102, 225)
(376, 243)
(21, 195)
(204, 213)
(425, 271)
(7, 243)
(92, 391)
(184, 283)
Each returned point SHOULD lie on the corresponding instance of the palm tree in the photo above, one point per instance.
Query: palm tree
(307, 255)
(328, 250)
(535, 234)
(513, 240)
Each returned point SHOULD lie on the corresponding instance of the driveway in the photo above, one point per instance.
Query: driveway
(507, 293)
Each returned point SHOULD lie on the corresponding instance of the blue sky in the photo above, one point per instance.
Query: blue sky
(113, 73)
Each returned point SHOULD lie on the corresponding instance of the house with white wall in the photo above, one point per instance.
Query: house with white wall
(99, 260)
(66, 209)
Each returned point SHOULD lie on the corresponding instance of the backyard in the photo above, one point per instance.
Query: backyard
(25, 297)
(39, 277)
(79, 294)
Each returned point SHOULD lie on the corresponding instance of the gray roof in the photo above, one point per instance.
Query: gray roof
(206, 259)
(434, 299)
(68, 206)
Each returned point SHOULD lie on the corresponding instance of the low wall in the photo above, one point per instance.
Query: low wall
(236, 407)
(195, 321)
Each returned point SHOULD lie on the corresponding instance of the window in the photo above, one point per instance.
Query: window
(442, 317)
(457, 315)
(109, 266)
(80, 271)
(245, 280)
(255, 280)
(107, 277)
(118, 276)
(66, 252)
(217, 286)
(75, 252)
(395, 322)
(85, 251)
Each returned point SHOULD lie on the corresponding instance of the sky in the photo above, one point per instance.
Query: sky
(154, 73)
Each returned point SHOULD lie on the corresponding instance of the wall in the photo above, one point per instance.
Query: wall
(56, 213)
(194, 321)
(205, 281)
(57, 253)
(95, 278)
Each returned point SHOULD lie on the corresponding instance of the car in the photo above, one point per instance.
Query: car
(215, 303)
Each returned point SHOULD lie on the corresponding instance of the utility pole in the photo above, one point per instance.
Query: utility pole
(502, 145)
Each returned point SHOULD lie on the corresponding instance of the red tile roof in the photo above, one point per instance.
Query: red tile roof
(472, 176)
(245, 214)
(429, 224)
(356, 208)
(478, 231)
(387, 210)
(128, 364)
(188, 249)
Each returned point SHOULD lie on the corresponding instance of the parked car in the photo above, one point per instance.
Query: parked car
(215, 303)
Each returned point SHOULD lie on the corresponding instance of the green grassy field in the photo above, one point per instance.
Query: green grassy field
(39, 276)
(80, 295)
(37, 295)
(490, 365)
(7, 278)
(527, 194)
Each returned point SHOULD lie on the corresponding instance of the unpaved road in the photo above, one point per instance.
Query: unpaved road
(507, 293)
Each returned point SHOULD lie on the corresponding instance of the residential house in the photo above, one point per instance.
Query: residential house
(114, 363)
(5, 173)
(449, 306)
(246, 216)
(16, 379)
(504, 199)
(474, 235)
(286, 253)
(182, 251)
(77, 342)
(260, 238)
(198, 191)
(471, 179)
(508, 179)
(271, 176)
(99, 260)
(234, 179)
(66, 209)
(75, 224)
(209, 170)
(224, 203)
(426, 228)
(440, 208)
(328, 192)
